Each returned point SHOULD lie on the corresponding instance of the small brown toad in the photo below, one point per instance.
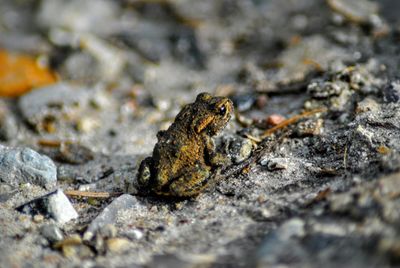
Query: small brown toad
(184, 155)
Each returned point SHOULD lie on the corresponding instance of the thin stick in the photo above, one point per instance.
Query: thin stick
(291, 121)
(345, 157)
(76, 193)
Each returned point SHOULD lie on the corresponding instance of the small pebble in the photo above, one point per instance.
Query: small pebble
(134, 234)
(72, 247)
(110, 213)
(311, 127)
(51, 232)
(281, 243)
(117, 245)
(261, 101)
(74, 153)
(8, 123)
(275, 119)
(391, 92)
(236, 147)
(38, 218)
(108, 231)
(243, 102)
(87, 124)
(275, 163)
(366, 105)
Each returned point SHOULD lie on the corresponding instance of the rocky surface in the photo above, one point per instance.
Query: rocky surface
(321, 189)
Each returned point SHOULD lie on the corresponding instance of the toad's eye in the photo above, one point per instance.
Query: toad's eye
(222, 110)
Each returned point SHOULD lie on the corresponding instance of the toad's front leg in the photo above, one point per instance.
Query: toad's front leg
(213, 157)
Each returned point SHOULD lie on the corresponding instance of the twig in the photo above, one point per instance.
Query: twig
(76, 193)
(291, 120)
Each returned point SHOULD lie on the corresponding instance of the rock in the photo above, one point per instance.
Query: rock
(73, 153)
(4, 197)
(391, 248)
(276, 163)
(364, 134)
(53, 104)
(390, 185)
(87, 124)
(110, 213)
(8, 123)
(73, 247)
(54, 204)
(183, 260)
(134, 234)
(358, 11)
(108, 231)
(311, 127)
(281, 245)
(391, 92)
(275, 119)
(366, 105)
(117, 245)
(243, 102)
(79, 66)
(38, 218)
(236, 147)
(90, 16)
(51, 232)
(320, 89)
(24, 165)
(111, 60)
(340, 202)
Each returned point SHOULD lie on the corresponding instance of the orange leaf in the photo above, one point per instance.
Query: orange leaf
(20, 73)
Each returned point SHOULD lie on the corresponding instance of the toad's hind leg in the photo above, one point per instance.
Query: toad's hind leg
(190, 184)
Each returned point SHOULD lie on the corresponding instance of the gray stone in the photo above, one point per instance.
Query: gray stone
(236, 147)
(55, 205)
(321, 89)
(276, 163)
(359, 11)
(117, 245)
(110, 213)
(133, 234)
(183, 260)
(77, 16)
(24, 165)
(53, 103)
(366, 105)
(60, 208)
(391, 92)
(8, 123)
(282, 243)
(51, 232)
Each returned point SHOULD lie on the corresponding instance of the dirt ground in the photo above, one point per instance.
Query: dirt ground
(320, 189)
